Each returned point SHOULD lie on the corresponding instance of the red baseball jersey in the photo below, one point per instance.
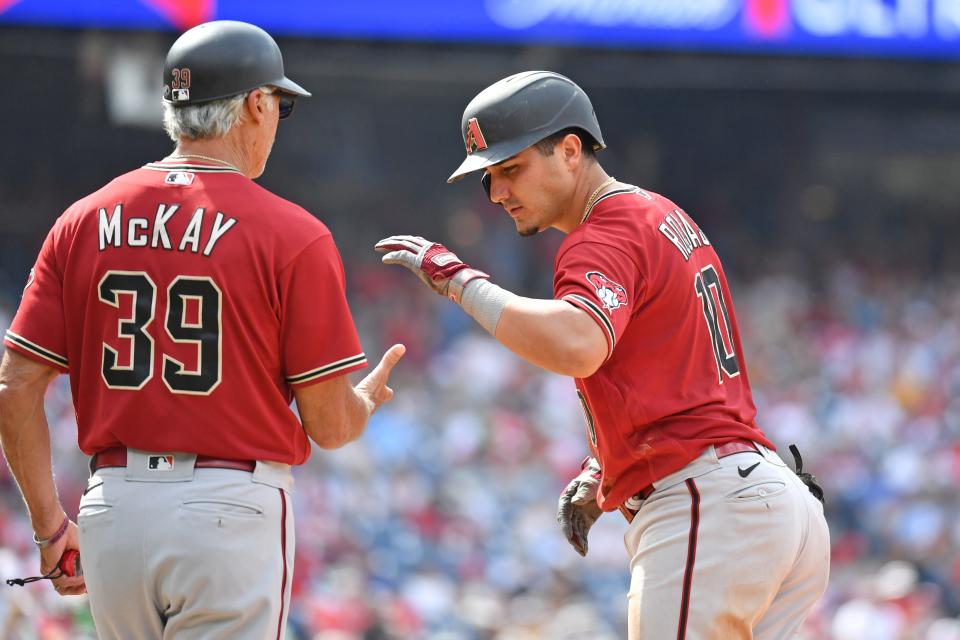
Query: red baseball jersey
(186, 302)
(674, 381)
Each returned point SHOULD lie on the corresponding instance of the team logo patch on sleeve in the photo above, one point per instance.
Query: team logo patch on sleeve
(612, 295)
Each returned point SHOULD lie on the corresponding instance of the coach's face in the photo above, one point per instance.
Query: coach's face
(534, 189)
(264, 114)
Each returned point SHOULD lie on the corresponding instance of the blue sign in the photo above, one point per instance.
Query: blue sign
(903, 28)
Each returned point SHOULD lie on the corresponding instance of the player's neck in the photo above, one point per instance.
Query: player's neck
(594, 178)
(220, 149)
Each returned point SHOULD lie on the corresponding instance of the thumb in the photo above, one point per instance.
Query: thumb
(389, 360)
(586, 493)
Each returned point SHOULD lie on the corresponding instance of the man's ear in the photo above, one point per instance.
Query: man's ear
(571, 148)
(255, 104)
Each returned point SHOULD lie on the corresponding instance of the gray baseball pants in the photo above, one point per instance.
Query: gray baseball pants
(181, 553)
(726, 549)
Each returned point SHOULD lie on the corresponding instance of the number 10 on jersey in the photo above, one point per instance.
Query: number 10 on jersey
(707, 285)
(204, 332)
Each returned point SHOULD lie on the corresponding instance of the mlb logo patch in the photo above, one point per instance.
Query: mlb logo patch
(180, 95)
(160, 463)
(180, 178)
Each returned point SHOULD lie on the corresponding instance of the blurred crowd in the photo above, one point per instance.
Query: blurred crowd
(439, 524)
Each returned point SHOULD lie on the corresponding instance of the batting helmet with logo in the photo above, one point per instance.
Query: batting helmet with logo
(519, 111)
(220, 59)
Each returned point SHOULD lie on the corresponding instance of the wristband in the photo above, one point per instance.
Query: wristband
(43, 544)
(485, 301)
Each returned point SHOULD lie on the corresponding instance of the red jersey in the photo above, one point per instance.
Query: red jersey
(675, 380)
(185, 301)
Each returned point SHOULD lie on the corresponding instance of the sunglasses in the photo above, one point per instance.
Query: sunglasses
(286, 106)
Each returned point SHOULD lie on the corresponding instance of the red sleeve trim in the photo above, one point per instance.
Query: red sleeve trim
(36, 352)
(340, 367)
(599, 317)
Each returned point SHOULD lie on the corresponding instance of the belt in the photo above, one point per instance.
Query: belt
(722, 450)
(117, 457)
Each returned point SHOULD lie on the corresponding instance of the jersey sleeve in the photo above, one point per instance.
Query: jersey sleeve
(603, 281)
(318, 337)
(39, 330)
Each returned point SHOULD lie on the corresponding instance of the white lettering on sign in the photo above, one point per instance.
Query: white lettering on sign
(658, 14)
(881, 19)
(871, 19)
(946, 18)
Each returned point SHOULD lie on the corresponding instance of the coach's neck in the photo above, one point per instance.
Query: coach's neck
(246, 146)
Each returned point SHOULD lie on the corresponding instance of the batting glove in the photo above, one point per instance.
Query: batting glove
(438, 267)
(578, 505)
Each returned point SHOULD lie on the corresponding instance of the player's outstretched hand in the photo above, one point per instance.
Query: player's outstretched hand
(374, 386)
(432, 262)
(578, 508)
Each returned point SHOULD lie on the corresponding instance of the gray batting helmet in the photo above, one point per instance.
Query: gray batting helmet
(521, 110)
(223, 58)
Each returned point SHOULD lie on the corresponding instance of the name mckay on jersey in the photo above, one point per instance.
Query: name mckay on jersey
(143, 232)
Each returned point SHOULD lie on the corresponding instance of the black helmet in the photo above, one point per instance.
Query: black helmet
(221, 59)
(521, 110)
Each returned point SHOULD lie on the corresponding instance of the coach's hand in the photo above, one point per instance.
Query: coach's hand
(50, 557)
(373, 388)
(432, 262)
(578, 505)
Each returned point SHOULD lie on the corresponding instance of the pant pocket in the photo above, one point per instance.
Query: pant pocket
(223, 506)
(757, 491)
(94, 502)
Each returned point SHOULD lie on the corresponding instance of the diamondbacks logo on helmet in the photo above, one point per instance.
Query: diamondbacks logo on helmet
(612, 295)
(474, 138)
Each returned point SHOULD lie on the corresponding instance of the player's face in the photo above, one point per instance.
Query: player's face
(532, 188)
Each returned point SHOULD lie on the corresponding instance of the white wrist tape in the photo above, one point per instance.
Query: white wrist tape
(485, 302)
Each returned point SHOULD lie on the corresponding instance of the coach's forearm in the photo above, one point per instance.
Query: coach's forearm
(25, 437)
(336, 418)
(552, 334)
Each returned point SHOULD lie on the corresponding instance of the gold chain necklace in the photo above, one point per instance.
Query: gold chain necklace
(185, 156)
(593, 197)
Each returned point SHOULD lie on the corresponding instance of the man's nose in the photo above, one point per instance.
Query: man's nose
(499, 192)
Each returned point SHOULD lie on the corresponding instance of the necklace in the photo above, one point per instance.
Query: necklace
(184, 156)
(593, 197)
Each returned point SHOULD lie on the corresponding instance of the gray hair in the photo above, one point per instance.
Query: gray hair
(212, 119)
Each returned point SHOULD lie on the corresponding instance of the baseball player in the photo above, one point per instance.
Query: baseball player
(724, 540)
(189, 306)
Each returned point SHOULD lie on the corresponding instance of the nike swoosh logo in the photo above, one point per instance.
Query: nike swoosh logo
(745, 472)
(89, 489)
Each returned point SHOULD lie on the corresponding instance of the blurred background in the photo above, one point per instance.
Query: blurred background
(816, 142)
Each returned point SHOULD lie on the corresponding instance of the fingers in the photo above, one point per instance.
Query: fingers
(579, 540)
(376, 382)
(401, 243)
(392, 357)
(70, 586)
(404, 258)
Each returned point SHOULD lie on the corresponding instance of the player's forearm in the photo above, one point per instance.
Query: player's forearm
(550, 334)
(25, 438)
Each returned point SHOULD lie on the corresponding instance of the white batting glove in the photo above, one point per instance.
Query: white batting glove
(578, 508)
(438, 267)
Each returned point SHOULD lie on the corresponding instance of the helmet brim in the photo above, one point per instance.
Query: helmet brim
(482, 159)
(289, 86)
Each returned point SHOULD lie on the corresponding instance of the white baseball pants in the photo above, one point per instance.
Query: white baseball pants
(187, 554)
(726, 549)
